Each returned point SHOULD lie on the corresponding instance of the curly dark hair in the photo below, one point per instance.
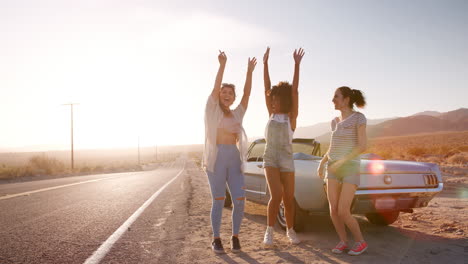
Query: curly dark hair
(283, 91)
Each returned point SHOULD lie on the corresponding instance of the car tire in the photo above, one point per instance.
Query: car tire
(383, 218)
(228, 200)
(299, 218)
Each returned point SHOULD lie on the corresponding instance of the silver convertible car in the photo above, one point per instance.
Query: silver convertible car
(387, 187)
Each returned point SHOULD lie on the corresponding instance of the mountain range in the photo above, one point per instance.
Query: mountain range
(419, 123)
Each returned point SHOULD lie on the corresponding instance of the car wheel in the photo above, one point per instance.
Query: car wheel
(227, 200)
(383, 218)
(299, 218)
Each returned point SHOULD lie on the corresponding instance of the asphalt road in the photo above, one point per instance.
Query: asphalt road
(68, 220)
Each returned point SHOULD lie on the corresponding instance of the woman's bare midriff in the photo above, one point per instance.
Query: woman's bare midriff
(225, 137)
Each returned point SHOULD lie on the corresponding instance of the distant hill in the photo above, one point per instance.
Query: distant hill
(428, 113)
(460, 115)
(456, 120)
(322, 128)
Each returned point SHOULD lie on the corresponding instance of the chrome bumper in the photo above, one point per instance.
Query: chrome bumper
(409, 192)
(369, 201)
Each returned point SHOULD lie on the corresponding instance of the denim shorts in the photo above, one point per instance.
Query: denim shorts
(282, 159)
(349, 172)
(278, 148)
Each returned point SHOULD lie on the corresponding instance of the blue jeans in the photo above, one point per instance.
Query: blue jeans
(227, 170)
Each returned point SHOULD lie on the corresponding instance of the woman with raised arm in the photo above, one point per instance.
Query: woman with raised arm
(225, 151)
(348, 140)
(282, 103)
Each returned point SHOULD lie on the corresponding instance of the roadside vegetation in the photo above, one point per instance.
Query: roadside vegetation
(449, 150)
(29, 165)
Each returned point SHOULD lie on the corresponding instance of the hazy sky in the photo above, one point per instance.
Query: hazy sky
(145, 68)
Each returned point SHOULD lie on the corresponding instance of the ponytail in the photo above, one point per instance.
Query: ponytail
(358, 99)
(355, 96)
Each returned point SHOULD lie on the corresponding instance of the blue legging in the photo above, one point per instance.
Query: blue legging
(227, 170)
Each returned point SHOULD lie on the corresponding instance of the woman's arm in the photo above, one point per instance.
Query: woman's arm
(219, 76)
(322, 164)
(248, 82)
(298, 54)
(266, 80)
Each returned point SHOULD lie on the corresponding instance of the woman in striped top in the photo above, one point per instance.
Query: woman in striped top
(348, 141)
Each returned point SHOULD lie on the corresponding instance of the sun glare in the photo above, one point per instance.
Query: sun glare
(376, 167)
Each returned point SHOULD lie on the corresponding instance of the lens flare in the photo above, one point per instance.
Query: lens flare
(376, 167)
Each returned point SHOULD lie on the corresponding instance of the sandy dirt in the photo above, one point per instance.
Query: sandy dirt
(435, 234)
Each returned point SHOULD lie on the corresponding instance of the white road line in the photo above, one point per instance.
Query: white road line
(105, 247)
(51, 188)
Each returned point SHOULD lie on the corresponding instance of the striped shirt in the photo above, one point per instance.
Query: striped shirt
(344, 137)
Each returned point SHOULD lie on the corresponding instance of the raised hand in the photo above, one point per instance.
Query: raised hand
(251, 64)
(222, 58)
(266, 55)
(298, 54)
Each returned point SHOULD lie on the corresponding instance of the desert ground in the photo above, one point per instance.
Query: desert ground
(435, 234)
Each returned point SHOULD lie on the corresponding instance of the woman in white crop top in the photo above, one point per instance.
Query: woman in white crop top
(225, 151)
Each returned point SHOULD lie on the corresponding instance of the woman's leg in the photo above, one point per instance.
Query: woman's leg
(276, 193)
(236, 187)
(217, 180)
(218, 192)
(287, 179)
(334, 193)
(344, 210)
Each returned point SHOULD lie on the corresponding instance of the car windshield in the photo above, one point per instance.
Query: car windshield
(256, 152)
(304, 148)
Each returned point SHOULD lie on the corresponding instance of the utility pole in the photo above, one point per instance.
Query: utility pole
(71, 119)
(139, 151)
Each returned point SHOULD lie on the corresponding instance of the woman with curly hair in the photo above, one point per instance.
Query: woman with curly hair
(282, 104)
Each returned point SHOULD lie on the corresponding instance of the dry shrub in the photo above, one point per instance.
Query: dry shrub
(463, 148)
(417, 151)
(85, 169)
(15, 172)
(45, 165)
(434, 159)
(37, 165)
(458, 159)
(98, 168)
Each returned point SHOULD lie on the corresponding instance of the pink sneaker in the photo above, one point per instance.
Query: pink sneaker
(342, 246)
(358, 248)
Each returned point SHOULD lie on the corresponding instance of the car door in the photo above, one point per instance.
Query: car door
(253, 172)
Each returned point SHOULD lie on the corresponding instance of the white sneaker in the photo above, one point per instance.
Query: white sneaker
(268, 239)
(293, 236)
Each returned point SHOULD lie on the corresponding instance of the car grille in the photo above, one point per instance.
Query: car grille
(431, 180)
